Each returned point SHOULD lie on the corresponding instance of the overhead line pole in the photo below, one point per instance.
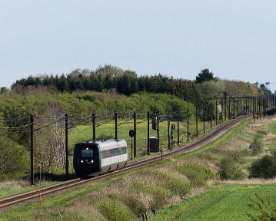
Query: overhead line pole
(32, 150)
(66, 146)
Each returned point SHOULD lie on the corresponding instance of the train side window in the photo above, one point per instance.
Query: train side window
(115, 152)
(106, 154)
(123, 150)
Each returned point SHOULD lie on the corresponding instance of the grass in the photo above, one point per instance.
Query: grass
(137, 191)
(272, 127)
(221, 202)
(152, 188)
(12, 187)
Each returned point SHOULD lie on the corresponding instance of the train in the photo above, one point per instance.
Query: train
(93, 158)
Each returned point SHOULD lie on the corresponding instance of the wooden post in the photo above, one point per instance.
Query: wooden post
(216, 111)
(188, 126)
(32, 150)
(229, 108)
(158, 132)
(134, 138)
(197, 133)
(66, 146)
(148, 134)
(116, 126)
(178, 131)
(222, 110)
(225, 108)
(204, 118)
(169, 133)
(94, 126)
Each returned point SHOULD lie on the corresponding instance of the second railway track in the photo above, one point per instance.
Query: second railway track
(36, 194)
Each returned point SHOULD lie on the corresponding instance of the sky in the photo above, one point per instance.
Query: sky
(233, 39)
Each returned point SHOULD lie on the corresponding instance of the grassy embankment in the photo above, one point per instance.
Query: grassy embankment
(126, 196)
(228, 200)
(81, 133)
(84, 133)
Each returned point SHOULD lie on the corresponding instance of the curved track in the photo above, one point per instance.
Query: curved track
(35, 194)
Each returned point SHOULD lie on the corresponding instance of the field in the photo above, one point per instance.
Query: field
(222, 201)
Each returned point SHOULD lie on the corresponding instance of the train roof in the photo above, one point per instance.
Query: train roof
(108, 144)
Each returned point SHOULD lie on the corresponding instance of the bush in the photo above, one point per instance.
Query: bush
(135, 204)
(176, 184)
(263, 168)
(229, 169)
(14, 157)
(115, 210)
(158, 194)
(257, 144)
(196, 173)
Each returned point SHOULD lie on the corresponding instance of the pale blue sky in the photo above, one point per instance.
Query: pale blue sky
(234, 39)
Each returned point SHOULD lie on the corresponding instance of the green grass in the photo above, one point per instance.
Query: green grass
(225, 202)
(130, 193)
(272, 127)
(9, 188)
(155, 190)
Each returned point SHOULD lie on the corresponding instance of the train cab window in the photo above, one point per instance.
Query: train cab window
(87, 153)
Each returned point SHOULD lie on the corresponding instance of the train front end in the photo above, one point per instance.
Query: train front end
(86, 159)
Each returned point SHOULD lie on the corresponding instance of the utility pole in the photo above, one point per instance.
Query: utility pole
(66, 146)
(32, 149)
(178, 131)
(216, 111)
(169, 133)
(188, 127)
(94, 127)
(148, 134)
(197, 133)
(116, 126)
(229, 108)
(134, 138)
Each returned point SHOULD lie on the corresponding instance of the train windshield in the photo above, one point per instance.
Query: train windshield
(87, 153)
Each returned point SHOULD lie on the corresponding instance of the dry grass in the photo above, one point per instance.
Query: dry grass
(251, 181)
(13, 183)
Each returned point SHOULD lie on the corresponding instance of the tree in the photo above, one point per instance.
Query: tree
(3, 89)
(204, 75)
(14, 157)
(265, 89)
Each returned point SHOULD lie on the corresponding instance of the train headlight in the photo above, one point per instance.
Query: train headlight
(92, 161)
(81, 161)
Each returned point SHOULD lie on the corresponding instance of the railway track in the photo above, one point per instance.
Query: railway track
(36, 194)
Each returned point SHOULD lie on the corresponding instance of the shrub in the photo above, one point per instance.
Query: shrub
(229, 169)
(135, 204)
(158, 194)
(115, 210)
(176, 184)
(263, 168)
(196, 173)
(257, 144)
(14, 157)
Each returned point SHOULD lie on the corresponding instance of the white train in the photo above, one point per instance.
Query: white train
(94, 158)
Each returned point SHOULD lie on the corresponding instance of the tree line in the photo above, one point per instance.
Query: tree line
(127, 82)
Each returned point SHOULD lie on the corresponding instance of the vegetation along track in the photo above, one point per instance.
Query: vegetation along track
(13, 200)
